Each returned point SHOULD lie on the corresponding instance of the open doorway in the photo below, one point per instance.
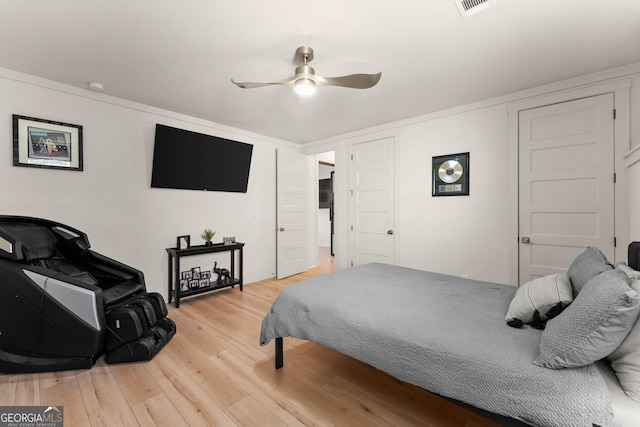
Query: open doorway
(326, 171)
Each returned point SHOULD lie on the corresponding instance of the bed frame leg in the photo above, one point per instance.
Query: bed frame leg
(279, 353)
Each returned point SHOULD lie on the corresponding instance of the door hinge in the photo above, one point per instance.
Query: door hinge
(615, 242)
(615, 177)
(352, 228)
(615, 114)
(351, 263)
(352, 157)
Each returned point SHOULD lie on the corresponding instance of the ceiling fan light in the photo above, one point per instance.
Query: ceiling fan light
(305, 87)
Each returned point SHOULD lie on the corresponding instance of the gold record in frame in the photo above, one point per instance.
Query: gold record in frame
(450, 171)
(450, 175)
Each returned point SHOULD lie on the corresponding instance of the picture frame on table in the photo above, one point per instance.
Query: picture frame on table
(186, 274)
(195, 273)
(194, 284)
(40, 143)
(183, 242)
(184, 285)
(203, 283)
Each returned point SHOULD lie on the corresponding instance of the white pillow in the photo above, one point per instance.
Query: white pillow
(625, 360)
(630, 272)
(542, 295)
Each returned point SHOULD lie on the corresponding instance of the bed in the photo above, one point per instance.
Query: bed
(449, 335)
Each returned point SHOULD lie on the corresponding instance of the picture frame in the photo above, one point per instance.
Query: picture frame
(194, 284)
(183, 242)
(40, 143)
(186, 274)
(450, 175)
(204, 283)
(184, 285)
(229, 240)
(195, 273)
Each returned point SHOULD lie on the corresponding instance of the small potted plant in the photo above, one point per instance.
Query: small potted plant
(207, 235)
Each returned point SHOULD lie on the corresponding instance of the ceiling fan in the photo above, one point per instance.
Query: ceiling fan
(305, 79)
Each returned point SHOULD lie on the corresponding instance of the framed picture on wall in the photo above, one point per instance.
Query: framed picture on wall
(43, 143)
(450, 175)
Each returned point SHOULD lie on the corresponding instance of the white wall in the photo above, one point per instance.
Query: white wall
(443, 233)
(111, 200)
(474, 235)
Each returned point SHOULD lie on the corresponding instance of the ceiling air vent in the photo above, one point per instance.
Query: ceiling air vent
(469, 8)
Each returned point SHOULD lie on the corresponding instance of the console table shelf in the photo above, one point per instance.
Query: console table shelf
(174, 269)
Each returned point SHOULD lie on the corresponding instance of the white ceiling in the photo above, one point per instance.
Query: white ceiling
(180, 55)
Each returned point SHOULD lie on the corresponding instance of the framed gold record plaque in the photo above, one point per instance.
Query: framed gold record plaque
(450, 175)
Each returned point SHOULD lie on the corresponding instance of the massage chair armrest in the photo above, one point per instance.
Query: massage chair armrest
(42, 273)
(105, 268)
(74, 309)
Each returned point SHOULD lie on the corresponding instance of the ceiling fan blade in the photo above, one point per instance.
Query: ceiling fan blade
(250, 85)
(354, 81)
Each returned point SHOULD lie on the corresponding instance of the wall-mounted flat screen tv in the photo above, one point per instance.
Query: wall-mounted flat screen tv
(194, 161)
(324, 193)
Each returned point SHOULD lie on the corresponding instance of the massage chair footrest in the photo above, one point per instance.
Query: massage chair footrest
(137, 330)
(144, 348)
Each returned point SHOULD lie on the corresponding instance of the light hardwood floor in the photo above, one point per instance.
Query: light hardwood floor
(214, 373)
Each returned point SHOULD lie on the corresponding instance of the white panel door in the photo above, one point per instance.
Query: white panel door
(566, 184)
(291, 252)
(372, 202)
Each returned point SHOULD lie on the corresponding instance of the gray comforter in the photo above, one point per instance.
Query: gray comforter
(442, 333)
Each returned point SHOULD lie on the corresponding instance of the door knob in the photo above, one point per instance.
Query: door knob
(389, 231)
(525, 240)
(281, 229)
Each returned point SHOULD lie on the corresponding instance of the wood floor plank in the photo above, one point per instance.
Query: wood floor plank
(193, 404)
(285, 407)
(248, 412)
(191, 330)
(63, 389)
(135, 382)
(19, 390)
(105, 404)
(158, 411)
(336, 409)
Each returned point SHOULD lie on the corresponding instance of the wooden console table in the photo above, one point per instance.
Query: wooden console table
(174, 269)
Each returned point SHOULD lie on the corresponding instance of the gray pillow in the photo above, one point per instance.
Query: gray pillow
(593, 326)
(586, 266)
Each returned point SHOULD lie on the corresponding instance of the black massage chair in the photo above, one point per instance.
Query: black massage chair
(63, 305)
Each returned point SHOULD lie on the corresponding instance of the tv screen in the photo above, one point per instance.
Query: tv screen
(324, 193)
(194, 161)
